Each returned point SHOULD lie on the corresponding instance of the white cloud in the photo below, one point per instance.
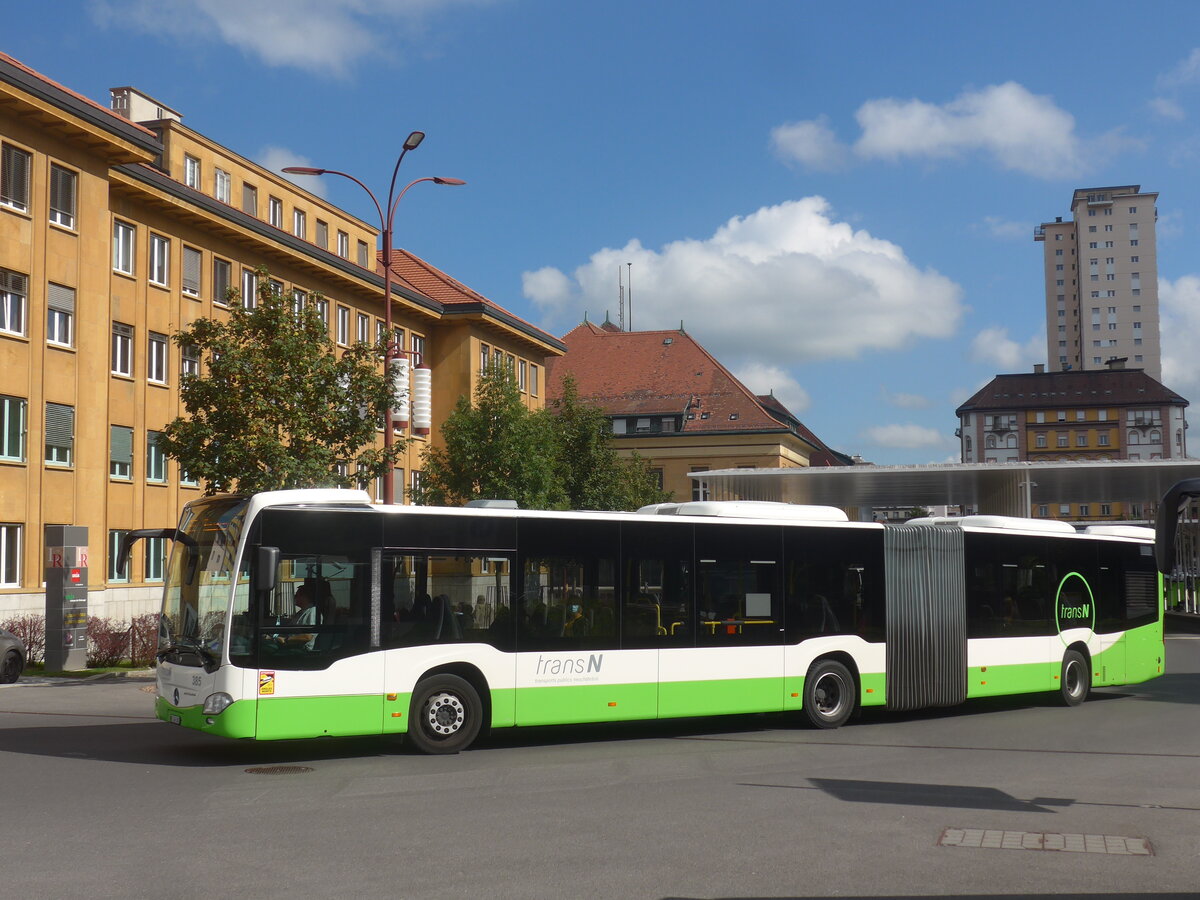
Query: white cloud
(326, 36)
(1185, 72)
(276, 159)
(811, 143)
(549, 288)
(1006, 229)
(1167, 109)
(765, 379)
(1019, 130)
(908, 437)
(1179, 321)
(993, 346)
(906, 401)
(781, 286)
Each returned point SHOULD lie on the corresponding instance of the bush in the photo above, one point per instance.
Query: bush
(31, 629)
(143, 640)
(108, 642)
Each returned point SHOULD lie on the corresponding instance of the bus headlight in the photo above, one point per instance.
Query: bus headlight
(216, 703)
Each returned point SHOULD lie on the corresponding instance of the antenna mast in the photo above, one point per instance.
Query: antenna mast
(621, 307)
(629, 266)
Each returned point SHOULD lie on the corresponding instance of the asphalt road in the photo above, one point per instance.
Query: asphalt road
(98, 799)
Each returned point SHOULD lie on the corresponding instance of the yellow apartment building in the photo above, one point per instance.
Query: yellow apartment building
(118, 228)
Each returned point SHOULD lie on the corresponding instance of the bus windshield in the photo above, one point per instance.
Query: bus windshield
(199, 581)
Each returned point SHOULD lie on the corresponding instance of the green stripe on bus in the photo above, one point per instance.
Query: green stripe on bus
(300, 717)
(237, 721)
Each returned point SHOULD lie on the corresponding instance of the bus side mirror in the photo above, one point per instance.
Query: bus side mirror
(266, 568)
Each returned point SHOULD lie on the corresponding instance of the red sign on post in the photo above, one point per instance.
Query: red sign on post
(76, 576)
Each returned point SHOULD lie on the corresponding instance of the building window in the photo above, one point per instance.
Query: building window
(1085, 510)
(114, 549)
(156, 460)
(275, 211)
(60, 311)
(299, 301)
(322, 234)
(363, 325)
(122, 349)
(60, 434)
(123, 238)
(522, 376)
(191, 171)
(222, 185)
(323, 311)
(415, 484)
(14, 177)
(156, 555)
(250, 199)
(300, 223)
(533, 380)
(1062, 440)
(1043, 510)
(1041, 441)
(62, 196)
(14, 288)
(1102, 439)
(222, 275)
(10, 555)
(120, 452)
(485, 357)
(343, 245)
(191, 361)
(12, 429)
(343, 325)
(249, 288)
(699, 486)
(186, 480)
(160, 258)
(362, 253)
(156, 362)
(417, 345)
(1081, 439)
(191, 271)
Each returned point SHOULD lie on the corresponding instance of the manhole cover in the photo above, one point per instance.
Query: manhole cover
(278, 770)
(995, 839)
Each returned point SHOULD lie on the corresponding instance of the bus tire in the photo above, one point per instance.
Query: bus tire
(829, 691)
(445, 714)
(1076, 679)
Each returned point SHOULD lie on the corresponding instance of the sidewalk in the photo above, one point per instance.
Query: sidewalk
(130, 675)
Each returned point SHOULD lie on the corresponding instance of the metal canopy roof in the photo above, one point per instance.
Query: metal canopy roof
(996, 489)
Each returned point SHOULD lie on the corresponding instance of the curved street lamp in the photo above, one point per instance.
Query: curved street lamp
(385, 226)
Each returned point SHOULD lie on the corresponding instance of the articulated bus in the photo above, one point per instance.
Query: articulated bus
(298, 614)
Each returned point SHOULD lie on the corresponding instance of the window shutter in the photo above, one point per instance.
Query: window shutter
(191, 270)
(13, 282)
(122, 445)
(14, 177)
(60, 425)
(62, 190)
(62, 298)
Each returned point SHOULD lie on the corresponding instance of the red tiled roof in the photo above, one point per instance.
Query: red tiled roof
(650, 373)
(416, 274)
(66, 90)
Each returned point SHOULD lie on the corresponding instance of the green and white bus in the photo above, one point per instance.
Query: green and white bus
(298, 614)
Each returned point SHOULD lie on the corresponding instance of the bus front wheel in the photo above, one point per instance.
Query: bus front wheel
(445, 714)
(828, 694)
(1076, 679)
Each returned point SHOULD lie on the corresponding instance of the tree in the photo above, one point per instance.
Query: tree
(495, 448)
(276, 406)
(557, 458)
(587, 467)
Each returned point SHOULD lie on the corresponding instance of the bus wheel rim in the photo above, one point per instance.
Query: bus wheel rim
(828, 694)
(1073, 678)
(445, 714)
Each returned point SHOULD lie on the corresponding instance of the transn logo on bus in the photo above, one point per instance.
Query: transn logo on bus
(578, 666)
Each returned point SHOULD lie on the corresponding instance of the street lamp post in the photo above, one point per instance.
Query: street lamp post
(391, 351)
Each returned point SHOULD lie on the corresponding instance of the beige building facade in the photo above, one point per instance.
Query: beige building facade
(116, 233)
(1101, 274)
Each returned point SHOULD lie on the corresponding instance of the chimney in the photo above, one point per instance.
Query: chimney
(1039, 368)
(135, 106)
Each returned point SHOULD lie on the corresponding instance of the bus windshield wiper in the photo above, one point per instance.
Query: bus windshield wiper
(210, 661)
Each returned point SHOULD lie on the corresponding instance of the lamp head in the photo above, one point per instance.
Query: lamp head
(302, 170)
(414, 140)
(451, 181)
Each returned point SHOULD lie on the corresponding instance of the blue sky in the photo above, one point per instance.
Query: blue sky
(836, 199)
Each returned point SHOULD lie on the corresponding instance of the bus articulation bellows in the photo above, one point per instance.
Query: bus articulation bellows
(299, 614)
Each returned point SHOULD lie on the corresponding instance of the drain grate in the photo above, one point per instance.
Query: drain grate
(995, 839)
(278, 770)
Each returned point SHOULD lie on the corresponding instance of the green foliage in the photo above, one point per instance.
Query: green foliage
(588, 467)
(276, 407)
(559, 458)
(493, 448)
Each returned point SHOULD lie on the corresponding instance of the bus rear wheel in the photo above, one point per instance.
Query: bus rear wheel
(445, 714)
(1075, 681)
(828, 694)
